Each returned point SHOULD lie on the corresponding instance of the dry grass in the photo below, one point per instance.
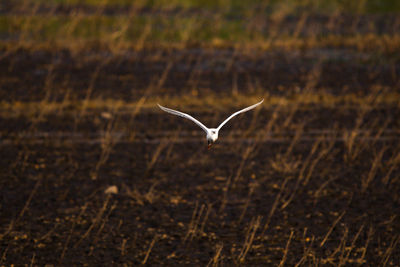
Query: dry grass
(189, 102)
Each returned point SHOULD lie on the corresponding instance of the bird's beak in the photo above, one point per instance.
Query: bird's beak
(209, 145)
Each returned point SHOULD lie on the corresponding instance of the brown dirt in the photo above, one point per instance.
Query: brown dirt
(293, 181)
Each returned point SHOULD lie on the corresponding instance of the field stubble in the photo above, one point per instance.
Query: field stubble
(309, 178)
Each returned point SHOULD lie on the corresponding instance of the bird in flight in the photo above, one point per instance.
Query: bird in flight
(212, 133)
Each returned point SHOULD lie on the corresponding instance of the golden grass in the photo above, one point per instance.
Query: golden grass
(380, 45)
(191, 102)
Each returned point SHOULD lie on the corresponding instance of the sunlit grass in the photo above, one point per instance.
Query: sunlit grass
(165, 29)
(128, 31)
(190, 102)
(203, 22)
(237, 6)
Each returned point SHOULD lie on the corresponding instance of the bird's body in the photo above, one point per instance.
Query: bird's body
(212, 133)
(212, 136)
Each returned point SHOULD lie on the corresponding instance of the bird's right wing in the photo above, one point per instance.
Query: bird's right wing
(184, 115)
(238, 112)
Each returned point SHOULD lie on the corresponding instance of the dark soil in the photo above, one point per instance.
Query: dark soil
(291, 192)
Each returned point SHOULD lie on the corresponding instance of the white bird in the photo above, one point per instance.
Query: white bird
(212, 133)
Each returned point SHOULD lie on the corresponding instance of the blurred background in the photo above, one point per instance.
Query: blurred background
(272, 35)
(93, 173)
(207, 22)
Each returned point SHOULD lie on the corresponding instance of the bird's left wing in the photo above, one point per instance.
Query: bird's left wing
(184, 115)
(238, 112)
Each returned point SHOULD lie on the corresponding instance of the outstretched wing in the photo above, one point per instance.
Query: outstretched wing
(238, 112)
(184, 115)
